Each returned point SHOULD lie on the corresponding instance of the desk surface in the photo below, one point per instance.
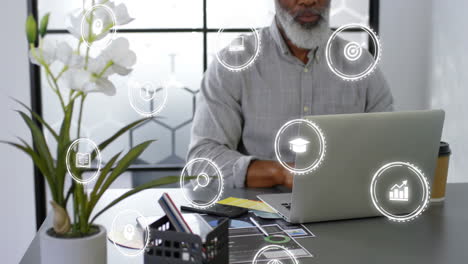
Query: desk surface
(440, 235)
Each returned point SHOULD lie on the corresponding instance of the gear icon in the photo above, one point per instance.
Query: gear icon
(352, 51)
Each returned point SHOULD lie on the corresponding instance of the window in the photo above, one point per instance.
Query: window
(171, 38)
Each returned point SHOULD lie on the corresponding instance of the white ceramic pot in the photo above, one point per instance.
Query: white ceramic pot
(89, 250)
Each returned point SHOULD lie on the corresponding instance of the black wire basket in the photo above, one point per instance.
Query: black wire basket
(169, 246)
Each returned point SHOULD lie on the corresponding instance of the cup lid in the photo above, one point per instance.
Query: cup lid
(444, 148)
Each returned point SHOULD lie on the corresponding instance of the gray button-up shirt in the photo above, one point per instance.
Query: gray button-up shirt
(239, 113)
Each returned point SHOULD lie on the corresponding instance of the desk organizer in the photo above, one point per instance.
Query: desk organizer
(169, 246)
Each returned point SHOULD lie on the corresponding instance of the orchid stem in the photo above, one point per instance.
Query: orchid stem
(80, 115)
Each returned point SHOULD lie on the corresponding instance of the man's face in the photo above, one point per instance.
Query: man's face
(307, 13)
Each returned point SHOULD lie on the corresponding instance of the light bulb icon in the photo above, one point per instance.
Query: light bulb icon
(129, 232)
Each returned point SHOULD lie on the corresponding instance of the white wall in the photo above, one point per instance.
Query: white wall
(405, 33)
(449, 79)
(17, 219)
(426, 62)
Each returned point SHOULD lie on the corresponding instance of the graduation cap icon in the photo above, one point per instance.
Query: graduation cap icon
(298, 145)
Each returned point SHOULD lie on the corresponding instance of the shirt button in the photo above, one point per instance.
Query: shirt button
(306, 108)
(306, 70)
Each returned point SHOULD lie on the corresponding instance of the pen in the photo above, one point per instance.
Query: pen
(258, 226)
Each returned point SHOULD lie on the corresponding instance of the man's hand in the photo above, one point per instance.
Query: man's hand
(267, 173)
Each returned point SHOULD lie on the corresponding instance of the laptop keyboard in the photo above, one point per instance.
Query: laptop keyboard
(287, 205)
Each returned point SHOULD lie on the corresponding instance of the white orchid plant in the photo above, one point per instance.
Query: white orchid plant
(79, 75)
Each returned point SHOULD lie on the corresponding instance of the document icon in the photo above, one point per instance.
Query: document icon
(399, 192)
(237, 44)
(83, 160)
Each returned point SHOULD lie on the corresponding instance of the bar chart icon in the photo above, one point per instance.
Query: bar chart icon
(400, 192)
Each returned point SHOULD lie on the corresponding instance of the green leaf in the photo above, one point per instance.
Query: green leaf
(123, 165)
(38, 118)
(31, 29)
(122, 131)
(102, 176)
(62, 147)
(43, 25)
(148, 185)
(40, 143)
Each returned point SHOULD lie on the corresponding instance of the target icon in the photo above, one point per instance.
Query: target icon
(352, 51)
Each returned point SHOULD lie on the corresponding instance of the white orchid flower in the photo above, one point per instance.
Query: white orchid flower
(46, 53)
(120, 12)
(80, 31)
(69, 58)
(118, 57)
(88, 82)
(104, 15)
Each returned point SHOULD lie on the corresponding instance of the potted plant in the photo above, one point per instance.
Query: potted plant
(78, 240)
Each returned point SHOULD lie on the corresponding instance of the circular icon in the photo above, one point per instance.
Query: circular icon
(400, 191)
(273, 254)
(205, 187)
(83, 155)
(130, 233)
(97, 22)
(236, 52)
(147, 98)
(301, 142)
(352, 51)
(356, 66)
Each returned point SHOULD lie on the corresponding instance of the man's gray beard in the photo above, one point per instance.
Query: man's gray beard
(301, 35)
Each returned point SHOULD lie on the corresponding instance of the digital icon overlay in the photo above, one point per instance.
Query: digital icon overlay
(352, 51)
(147, 98)
(275, 261)
(298, 145)
(82, 155)
(237, 52)
(98, 26)
(274, 254)
(83, 160)
(237, 44)
(129, 232)
(201, 182)
(356, 66)
(310, 143)
(400, 191)
(102, 26)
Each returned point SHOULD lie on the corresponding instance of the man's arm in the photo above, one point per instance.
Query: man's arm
(217, 131)
(378, 96)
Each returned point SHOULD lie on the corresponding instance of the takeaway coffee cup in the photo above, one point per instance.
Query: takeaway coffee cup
(440, 177)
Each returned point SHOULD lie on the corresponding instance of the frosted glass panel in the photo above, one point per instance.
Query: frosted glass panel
(349, 11)
(103, 115)
(147, 14)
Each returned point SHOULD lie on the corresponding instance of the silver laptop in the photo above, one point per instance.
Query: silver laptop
(357, 145)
